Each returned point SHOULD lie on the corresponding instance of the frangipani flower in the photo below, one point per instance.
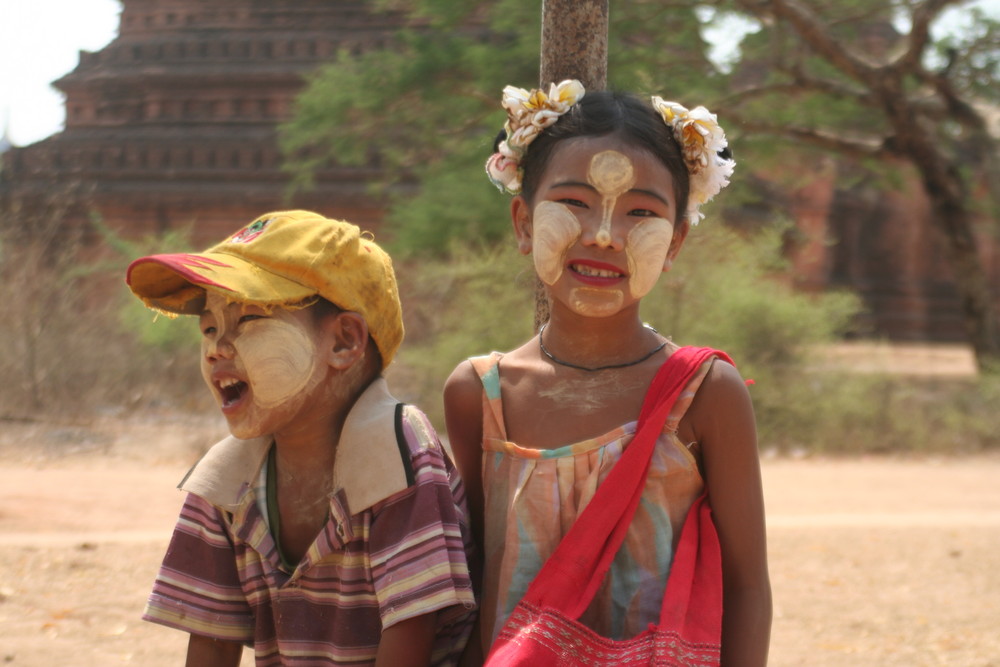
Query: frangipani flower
(528, 113)
(701, 140)
(504, 172)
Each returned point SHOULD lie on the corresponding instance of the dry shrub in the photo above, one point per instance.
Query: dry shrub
(68, 348)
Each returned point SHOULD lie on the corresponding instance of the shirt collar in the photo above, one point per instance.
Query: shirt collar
(368, 468)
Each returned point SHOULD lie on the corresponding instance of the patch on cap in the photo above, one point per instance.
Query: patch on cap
(251, 231)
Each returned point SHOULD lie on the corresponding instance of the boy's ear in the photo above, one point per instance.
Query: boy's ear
(680, 234)
(347, 339)
(520, 215)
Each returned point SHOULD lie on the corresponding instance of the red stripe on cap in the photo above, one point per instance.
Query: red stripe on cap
(184, 265)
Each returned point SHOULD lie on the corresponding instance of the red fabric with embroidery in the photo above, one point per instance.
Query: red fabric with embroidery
(544, 629)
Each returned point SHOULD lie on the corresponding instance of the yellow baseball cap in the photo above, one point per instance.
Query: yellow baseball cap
(281, 259)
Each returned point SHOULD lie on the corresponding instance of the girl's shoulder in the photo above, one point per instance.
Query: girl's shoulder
(723, 393)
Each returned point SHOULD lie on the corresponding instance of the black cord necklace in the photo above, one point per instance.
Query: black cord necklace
(559, 361)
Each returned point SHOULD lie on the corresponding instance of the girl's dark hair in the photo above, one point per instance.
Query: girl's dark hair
(602, 113)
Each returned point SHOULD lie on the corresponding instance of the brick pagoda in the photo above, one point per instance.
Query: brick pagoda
(174, 123)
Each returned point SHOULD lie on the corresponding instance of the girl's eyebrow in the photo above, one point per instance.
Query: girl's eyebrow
(654, 195)
(573, 184)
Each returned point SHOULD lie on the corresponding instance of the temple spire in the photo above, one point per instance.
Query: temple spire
(5, 141)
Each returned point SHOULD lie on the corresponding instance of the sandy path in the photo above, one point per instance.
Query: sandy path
(873, 562)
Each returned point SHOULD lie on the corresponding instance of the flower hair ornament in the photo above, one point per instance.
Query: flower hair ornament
(701, 139)
(528, 113)
(704, 146)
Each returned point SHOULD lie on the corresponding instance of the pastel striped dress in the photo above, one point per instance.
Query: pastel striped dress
(533, 496)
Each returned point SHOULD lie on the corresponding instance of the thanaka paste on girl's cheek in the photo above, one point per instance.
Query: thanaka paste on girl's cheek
(279, 358)
(612, 175)
(646, 250)
(555, 230)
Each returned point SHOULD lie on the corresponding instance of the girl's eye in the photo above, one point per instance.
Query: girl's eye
(249, 317)
(207, 331)
(572, 202)
(642, 213)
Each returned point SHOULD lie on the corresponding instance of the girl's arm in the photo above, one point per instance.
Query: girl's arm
(723, 421)
(408, 642)
(463, 414)
(207, 652)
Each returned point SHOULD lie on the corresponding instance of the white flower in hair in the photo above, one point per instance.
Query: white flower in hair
(701, 141)
(528, 113)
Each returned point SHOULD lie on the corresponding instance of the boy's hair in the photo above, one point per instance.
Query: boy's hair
(601, 113)
(287, 259)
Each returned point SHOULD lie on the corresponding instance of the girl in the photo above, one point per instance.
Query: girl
(606, 187)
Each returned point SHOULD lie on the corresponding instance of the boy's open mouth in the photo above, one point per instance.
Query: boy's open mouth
(231, 390)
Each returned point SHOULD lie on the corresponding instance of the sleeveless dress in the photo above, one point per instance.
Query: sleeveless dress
(533, 496)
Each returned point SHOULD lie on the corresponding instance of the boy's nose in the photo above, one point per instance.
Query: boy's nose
(220, 348)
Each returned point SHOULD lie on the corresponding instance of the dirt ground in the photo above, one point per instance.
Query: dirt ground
(874, 561)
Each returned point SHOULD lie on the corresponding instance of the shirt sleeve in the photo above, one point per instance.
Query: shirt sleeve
(198, 587)
(419, 537)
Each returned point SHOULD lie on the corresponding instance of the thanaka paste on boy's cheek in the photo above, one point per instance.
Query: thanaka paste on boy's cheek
(555, 230)
(612, 175)
(646, 250)
(279, 358)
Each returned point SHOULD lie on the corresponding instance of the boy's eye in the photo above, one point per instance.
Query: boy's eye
(249, 317)
(207, 331)
(572, 202)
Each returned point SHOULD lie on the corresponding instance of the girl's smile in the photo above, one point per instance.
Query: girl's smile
(598, 274)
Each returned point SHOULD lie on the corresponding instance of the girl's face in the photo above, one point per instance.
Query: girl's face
(602, 227)
(261, 367)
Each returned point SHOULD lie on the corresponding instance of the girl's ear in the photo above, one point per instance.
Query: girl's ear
(520, 215)
(680, 233)
(347, 339)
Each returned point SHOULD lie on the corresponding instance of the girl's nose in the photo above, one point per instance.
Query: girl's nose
(601, 231)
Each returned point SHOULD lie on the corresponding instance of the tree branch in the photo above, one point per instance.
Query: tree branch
(799, 85)
(862, 148)
(814, 33)
(923, 15)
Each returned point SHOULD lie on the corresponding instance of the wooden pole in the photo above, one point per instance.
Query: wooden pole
(574, 46)
(575, 42)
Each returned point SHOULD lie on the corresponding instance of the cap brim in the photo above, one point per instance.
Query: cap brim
(177, 283)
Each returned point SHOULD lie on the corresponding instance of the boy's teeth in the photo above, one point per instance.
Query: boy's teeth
(228, 382)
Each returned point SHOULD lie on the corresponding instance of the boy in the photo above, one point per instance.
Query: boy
(330, 528)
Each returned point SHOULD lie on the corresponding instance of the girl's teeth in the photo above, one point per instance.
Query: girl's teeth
(598, 273)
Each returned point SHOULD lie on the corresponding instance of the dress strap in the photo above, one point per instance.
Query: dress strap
(687, 396)
(488, 369)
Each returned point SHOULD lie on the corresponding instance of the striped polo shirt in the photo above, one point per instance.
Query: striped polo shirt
(394, 547)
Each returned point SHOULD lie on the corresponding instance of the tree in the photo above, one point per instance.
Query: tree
(426, 111)
(903, 110)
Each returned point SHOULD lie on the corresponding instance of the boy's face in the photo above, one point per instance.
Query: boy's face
(261, 367)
